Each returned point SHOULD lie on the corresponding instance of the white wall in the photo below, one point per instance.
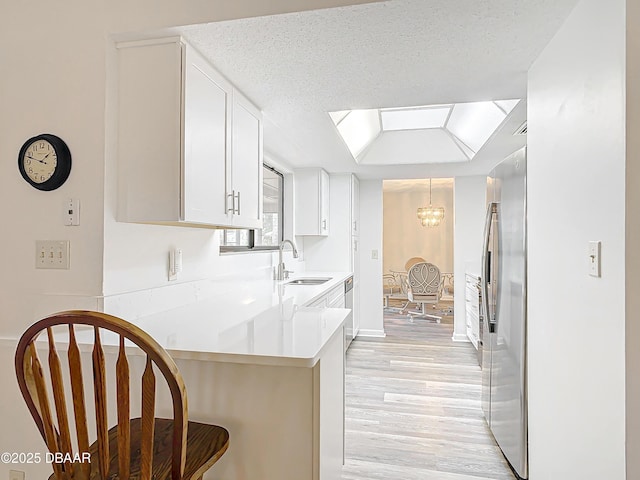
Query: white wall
(67, 100)
(371, 322)
(576, 193)
(470, 203)
(405, 237)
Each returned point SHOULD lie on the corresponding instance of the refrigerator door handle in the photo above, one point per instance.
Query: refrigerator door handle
(492, 209)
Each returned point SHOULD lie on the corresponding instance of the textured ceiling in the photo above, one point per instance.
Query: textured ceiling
(298, 66)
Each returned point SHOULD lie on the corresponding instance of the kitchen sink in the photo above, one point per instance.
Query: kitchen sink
(309, 281)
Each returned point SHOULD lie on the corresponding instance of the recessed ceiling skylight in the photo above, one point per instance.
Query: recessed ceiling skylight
(338, 116)
(474, 123)
(358, 129)
(507, 105)
(467, 126)
(414, 118)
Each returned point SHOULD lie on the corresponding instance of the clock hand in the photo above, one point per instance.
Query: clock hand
(37, 159)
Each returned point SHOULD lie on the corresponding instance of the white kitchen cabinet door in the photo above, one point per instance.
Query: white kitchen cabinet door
(312, 201)
(355, 205)
(333, 297)
(207, 99)
(245, 196)
(355, 256)
(355, 268)
(324, 202)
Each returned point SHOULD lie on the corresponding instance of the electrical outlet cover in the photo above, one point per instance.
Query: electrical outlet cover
(16, 475)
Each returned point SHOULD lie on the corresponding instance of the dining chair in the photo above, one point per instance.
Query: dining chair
(412, 261)
(423, 281)
(141, 448)
(394, 289)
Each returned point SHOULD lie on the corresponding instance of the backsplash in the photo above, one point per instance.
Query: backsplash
(241, 284)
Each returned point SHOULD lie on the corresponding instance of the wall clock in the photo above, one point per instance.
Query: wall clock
(45, 161)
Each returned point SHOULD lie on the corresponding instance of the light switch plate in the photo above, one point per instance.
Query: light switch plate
(71, 212)
(175, 263)
(52, 254)
(594, 259)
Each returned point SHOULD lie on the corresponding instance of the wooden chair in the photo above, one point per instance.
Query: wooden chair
(140, 448)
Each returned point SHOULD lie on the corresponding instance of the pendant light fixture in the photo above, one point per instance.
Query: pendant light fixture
(430, 216)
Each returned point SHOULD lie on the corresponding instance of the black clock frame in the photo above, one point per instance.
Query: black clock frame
(63, 165)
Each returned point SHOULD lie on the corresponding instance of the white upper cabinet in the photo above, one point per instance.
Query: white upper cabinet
(312, 201)
(177, 141)
(246, 170)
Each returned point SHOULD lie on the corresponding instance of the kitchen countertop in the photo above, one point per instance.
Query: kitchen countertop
(260, 323)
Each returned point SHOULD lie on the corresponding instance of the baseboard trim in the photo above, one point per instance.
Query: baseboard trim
(364, 332)
(460, 337)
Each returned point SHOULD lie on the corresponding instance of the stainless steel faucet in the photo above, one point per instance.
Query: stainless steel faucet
(281, 272)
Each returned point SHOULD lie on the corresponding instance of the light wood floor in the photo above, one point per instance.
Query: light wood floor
(413, 407)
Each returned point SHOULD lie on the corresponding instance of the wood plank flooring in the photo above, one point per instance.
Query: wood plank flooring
(413, 407)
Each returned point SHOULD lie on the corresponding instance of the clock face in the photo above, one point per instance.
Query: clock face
(40, 161)
(44, 162)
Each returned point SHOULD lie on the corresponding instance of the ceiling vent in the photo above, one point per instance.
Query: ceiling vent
(521, 130)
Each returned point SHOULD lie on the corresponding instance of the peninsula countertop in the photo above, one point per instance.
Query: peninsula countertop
(259, 322)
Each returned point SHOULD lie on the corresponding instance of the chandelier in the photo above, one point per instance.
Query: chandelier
(430, 216)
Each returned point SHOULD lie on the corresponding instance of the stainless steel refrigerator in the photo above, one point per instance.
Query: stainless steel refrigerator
(504, 317)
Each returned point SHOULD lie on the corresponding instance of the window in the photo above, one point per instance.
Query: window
(272, 231)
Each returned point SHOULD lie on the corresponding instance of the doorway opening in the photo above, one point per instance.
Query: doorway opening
(418, 245)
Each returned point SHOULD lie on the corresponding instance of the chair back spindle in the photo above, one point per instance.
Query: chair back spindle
(100, 392)
(124, 427)
(50, 436)
(82, 471)
(64, 445)
(148, 407)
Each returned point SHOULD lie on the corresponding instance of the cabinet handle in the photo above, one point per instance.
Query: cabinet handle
(232, 195)
(324, 224)
(355, 225)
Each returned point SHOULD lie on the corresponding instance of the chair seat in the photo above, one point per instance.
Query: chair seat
(427, 298)
(205, 445)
